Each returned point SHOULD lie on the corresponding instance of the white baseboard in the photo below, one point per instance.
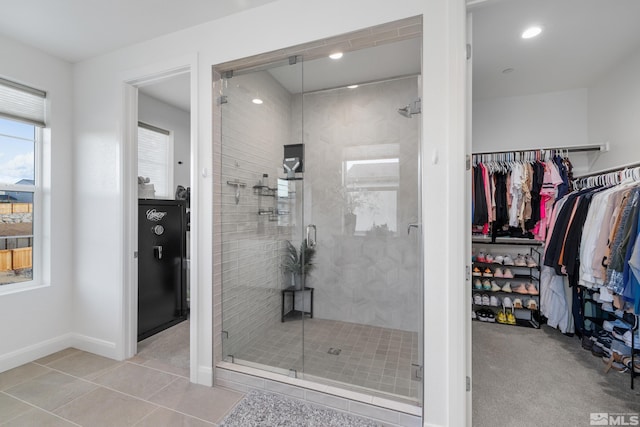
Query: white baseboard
(204, 376)
(95, 345)
(44, 348)
(35, 351)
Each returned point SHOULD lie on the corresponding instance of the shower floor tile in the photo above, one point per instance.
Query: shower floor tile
(376, 358)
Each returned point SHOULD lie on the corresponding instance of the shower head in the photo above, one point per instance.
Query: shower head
(411, 109)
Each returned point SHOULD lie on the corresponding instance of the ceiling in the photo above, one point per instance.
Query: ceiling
(75, 30)
(582, 40)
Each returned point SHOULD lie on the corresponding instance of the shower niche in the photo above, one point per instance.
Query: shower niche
(347, 181)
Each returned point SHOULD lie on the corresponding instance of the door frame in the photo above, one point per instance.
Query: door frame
(130, 82)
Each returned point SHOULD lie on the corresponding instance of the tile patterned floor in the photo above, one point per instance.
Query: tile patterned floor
(75, 388)
(375, 358)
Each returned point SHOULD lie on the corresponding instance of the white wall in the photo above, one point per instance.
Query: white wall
(98, 165)
(168, 117)
(614, 112)
(554, 119)
(38, 321)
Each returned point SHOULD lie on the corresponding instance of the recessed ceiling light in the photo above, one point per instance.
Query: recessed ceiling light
(352, 86)
(507, 71)
(257, 101)
(336, 55)
(531, 32)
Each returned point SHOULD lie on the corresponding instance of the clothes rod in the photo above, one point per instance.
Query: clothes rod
(605, 171)
(573, 149)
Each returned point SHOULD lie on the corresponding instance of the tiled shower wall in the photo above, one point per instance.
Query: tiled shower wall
(253, 137)
(368, 278)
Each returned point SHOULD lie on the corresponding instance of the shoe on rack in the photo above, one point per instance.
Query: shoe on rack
(476, 272)
(607, 306)
(519, 261)
(499, 259)
(507, 260)
(488, 259)
(531, 289)
(498, 272)
(495, 287)
(532, 304)
(494, 301)
(491, 318)
(520, 288)
(597, 351)
(501, 317)
(481, 257)
(473, 258)
(481, 315)
(473, 315)
(486, 300)
(477, 284)
(506, 302)
(608, 325)
(486, 285)
(511, 319)
(507, 287)
(618, 333)
(517, 303)
(477, 299)
(487, 272)
(529, 261)
(587, 343)
(507, 274)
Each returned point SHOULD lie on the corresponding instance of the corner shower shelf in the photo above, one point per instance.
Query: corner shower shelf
(263, 190)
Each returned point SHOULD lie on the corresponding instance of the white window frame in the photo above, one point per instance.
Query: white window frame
(169, 172)
(37, 278)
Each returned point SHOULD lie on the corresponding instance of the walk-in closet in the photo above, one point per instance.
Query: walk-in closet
(554, 275)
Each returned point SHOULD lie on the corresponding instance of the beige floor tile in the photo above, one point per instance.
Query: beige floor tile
(162, 417)
(207, 403)
(21, 374)
(11, 408)
(135, 380)
(36, 417)
(105, 408)
(56, 356)
(84, 365)
(51, 390)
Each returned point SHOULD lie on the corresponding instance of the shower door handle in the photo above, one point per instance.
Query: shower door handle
(312, 241)
(413, 225)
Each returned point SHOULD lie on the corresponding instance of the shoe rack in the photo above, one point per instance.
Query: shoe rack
(505, 281)
(601, 341)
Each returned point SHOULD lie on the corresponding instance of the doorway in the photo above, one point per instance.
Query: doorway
(163, 222)
(164, 101)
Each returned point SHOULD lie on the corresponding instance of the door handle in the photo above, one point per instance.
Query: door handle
(311, 242)
(412, 225)
(157, 252)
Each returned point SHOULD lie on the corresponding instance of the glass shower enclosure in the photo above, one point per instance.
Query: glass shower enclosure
(321, 256)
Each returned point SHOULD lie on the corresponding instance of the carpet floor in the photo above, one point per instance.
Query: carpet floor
(529, 377)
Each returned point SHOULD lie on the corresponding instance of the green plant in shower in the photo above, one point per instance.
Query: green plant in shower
(299, 262)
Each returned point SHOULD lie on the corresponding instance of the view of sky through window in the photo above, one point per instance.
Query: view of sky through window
(17, 158)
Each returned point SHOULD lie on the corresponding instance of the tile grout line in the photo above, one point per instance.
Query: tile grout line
(37, 407)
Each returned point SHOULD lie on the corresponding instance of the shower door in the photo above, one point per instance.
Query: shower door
(258, 218)
(361, 208)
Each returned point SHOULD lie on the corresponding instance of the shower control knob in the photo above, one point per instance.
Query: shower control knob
(157, 229)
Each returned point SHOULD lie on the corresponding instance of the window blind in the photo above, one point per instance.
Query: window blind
(154, 157)
(22, 103)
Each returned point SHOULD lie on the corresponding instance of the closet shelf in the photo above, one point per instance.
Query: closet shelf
(505, 241)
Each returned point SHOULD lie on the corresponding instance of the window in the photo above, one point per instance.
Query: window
(155, 159)
(22, 114)
(371, 181)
